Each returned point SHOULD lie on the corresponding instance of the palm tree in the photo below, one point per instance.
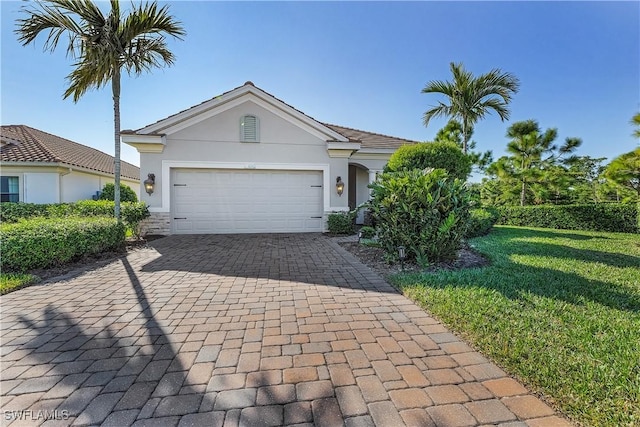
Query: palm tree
(102, 46)
(471, 98)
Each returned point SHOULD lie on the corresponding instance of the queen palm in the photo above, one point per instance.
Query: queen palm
(102, 46)
(471, 98)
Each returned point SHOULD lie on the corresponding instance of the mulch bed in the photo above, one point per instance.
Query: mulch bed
(374, 258)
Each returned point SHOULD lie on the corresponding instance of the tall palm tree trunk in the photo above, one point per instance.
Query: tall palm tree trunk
(115, 87)
(465, 137)
(524, 184)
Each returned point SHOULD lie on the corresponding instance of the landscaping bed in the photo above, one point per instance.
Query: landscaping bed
(374, 258)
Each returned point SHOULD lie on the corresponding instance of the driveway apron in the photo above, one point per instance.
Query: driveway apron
(249, 330)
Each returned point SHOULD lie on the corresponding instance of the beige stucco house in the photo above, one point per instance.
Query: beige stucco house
(246, 162)
(38, 167)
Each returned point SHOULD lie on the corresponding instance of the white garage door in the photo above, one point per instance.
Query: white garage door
(245, 201)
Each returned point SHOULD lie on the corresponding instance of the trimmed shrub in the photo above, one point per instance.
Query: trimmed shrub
(126, 193)
(131, 213)
(368, 232)
(481, 221)
(47, 242)
(341, 222)
(425, 211)
(614, 217)
(436, 155)
(13, 212)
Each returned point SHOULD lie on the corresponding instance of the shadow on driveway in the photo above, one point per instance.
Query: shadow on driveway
(113, 351)
(308, 258)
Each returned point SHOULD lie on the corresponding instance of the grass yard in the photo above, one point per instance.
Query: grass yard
(558, 309)
(12, 281)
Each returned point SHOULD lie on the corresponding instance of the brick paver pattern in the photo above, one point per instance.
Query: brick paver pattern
(248, 330)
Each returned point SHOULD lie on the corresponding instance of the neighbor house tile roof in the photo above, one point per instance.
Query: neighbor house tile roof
(25, 144)
(366, 139)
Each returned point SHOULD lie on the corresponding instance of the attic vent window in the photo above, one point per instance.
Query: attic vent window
(249, 129)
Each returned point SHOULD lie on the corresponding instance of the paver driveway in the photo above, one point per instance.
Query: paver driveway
(249, 330)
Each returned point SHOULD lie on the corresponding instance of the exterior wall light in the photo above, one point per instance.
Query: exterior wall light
(149, 183)
(339, 186)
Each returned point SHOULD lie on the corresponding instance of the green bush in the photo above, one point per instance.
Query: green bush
(425, 211)
(436, 155)
(126, 193)
(131, 213)
(341, 223)
(12, 212)
(481, 221)
(614, 217)
(368, 232)
(47, 242)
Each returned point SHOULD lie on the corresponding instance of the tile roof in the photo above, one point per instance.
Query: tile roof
(366, 139)
(370, 139)
(26, 144)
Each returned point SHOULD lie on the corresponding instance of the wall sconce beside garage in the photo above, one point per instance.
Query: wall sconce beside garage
(339, 186)
(150, 183)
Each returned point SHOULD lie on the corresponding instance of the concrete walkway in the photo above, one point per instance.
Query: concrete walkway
(246, 330)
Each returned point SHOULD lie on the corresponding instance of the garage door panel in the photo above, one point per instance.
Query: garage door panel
(314, 223)
(239, 201)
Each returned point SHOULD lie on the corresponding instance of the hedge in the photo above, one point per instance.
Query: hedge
(481, 221)
(613, 217)
(47, 242)
(131, 213)
(341, 222)
(126, 193)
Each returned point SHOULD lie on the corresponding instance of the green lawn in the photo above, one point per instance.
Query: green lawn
(558, 309)
(12, 281)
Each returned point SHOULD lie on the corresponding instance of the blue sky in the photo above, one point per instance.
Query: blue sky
(361, 65)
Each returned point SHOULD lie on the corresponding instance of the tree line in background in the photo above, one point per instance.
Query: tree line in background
(536, 169)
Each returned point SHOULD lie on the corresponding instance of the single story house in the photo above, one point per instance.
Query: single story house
(38, 167)
(247, 162)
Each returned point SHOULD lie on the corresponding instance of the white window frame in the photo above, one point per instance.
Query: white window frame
(9, 193)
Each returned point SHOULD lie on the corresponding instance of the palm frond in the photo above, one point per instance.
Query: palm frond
(148, 19)
(493, 104)
(85, 76)
(471, 98)
(442, 110)
(102, 44)
(43, 18)
(439, 86)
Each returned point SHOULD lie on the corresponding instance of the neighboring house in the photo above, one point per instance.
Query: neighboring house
(37, 167)
(246, 162)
